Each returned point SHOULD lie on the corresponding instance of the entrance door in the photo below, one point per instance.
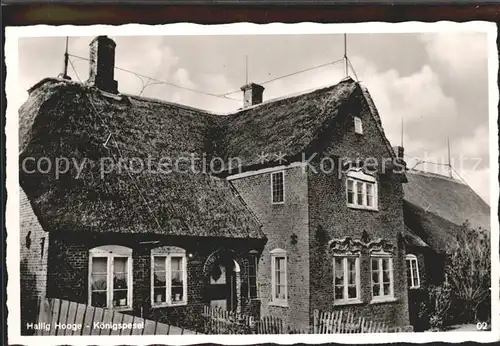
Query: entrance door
(222, 288)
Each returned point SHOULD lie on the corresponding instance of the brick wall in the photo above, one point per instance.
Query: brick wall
(280, 222)
(330, 218)
(33, 258)
(69, 265)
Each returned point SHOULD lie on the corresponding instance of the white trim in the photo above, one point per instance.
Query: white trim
(278, 253)
(365, 179)
(381, 255)
(345, 301)
(265, 170)
(358, 125)
(110, 252)
(167, 253)
(272, 187)
(412, 258)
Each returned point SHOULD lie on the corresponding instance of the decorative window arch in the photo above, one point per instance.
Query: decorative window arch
(168, 276)
(382, 274)
(279, 274)
(412, 271)
(110, 277)
(361, 190)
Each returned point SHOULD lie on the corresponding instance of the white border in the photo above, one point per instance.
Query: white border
(12, 35)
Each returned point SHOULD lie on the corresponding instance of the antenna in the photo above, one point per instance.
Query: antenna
(402, 128)
(345, 57)
(66, 59)
(449, 158)
(246, 69)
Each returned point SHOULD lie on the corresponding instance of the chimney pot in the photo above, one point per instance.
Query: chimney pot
(252, 94)
(400, 152)
(102, 64)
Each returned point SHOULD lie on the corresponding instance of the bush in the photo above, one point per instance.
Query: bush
(439, 306)
(469, 273)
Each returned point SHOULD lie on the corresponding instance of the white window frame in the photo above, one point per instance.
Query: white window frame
(272, 187)
(167, 252)
(357, 176)
(413, 261)
(110, 252)
(358, 125)
(254, 256)
(344, 300)
(275, 254)
(380, 256)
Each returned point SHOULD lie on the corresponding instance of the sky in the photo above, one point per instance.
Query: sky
(435, 83)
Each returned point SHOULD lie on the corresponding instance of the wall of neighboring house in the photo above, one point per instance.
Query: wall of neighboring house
(33, 260)
(69, 270)
(331, 218)
(286, 227)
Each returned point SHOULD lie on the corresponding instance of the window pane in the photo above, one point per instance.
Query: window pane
(369, 189)
(351, 291)
(99, 299)
(120, 273)
(99, 282)
(376, 290)
(120, 297)
(374, 263)
(385, 263)
(159, 263)
(339, 271)
(350, 192)
(160, 295)
(177, 279)
(359, 188)
(351, 263)
(387, 289)
(339, 291)
(176, 263)
(99, 265)
(277, 187)
(386, 276)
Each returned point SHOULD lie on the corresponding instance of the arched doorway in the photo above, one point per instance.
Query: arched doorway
(223, 274)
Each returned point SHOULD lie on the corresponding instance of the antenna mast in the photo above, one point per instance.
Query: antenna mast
(402, 128)
(246, 69)
(66, 59)
(449, 158)
(345, 57)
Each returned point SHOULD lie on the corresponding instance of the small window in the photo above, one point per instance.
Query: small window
(361, 190)
(382, 277)
(279, 276)
(278, 187)
(110, 277)
(346, 279)
(358, 125)
(252, 276)
(412, 271)
(168, 277)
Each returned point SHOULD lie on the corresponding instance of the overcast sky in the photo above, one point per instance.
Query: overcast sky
(437, 82)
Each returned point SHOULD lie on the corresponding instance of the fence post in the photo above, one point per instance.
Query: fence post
(315, 321)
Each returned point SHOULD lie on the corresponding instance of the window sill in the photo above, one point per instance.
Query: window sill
(347, 302)
(283, 304)
(361, 207)
(277, 203)
(414, 287)
(383, 300)
(168, 305)
(121, 308)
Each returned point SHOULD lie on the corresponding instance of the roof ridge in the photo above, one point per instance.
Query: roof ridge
(434, 175)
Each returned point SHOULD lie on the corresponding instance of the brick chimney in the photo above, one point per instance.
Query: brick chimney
(102, 64)
(399, 151)
(252, 94)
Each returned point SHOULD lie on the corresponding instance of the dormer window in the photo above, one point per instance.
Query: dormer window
(361, 190)
(278, 187)
(358, 125)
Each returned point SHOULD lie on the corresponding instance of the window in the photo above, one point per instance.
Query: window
(278, 277)
(346, 279)
(412, 271)
(358, 125)
(110, 277)
(361, 190)
(382, 277)
(278, 187)
(252, 275)
(168, 276)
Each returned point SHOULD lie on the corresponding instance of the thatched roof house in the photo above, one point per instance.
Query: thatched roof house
(435, 205)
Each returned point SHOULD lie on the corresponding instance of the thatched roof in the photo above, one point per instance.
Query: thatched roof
(424, 226)
(436, 206)
(66, 119)
(446, 197)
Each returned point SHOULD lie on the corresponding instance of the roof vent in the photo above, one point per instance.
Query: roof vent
(102, 64)
(252, 94)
